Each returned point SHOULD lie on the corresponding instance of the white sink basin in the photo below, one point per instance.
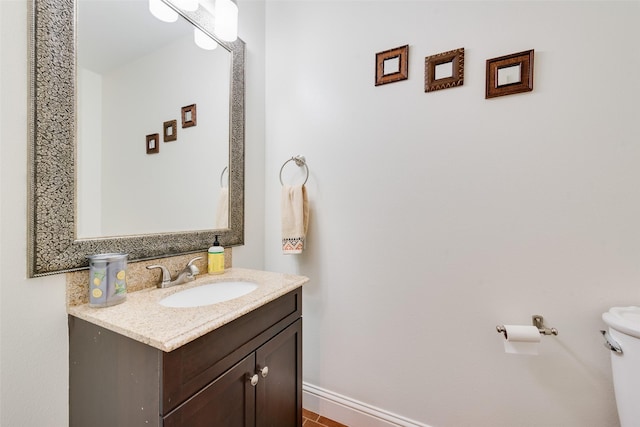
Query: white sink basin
(207, 294)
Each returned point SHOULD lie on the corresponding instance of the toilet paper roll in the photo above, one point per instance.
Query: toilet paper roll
(521, 339)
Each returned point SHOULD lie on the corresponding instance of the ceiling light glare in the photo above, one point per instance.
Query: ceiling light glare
(226, 20)
(161, 11)
(188, 5)
(203, 41)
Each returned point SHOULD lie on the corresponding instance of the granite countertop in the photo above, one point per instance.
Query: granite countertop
(143, 319)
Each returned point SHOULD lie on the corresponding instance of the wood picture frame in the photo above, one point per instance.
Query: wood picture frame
(153, 143)
(189, 116)
(444, 70)
(170, 131)
(510, 74)
(392, 65)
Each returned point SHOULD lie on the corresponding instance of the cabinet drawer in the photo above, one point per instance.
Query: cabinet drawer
(189, 368)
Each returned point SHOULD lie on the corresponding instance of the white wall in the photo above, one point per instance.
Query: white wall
(33, 375)
(437, 216)
(434, 216)
(33, 325)
(252, 31)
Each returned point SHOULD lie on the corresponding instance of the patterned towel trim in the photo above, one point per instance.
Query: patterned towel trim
(293, 245)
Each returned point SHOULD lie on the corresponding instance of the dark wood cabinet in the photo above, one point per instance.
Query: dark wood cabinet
(246, 373)
(261, 390)
(279, 387)
(227, 401)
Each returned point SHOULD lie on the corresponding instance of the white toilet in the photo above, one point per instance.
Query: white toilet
(623, 339)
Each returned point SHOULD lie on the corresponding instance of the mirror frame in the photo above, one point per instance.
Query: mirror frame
(52, 243)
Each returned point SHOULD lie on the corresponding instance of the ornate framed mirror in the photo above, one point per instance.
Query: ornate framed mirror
(55, 245)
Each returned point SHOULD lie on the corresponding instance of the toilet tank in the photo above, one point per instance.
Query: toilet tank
(624, 329)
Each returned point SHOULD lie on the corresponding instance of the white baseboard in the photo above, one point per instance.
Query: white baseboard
(350, 412)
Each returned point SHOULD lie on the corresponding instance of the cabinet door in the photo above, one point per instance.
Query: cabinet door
(279, 392)
(190, 368)
(229, 401)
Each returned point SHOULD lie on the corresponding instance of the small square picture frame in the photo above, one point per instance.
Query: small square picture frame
(392, 65)
(170, 131)
(452, 74)
(189, 116)
(153, 143)
(510, 74)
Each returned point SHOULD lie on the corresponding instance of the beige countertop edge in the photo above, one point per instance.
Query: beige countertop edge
(143, 319)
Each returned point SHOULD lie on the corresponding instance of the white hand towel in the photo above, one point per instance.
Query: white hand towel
(295, 218)
(222, 209)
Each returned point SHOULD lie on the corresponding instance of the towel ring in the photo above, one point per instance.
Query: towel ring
(222, 176)
(299, 161)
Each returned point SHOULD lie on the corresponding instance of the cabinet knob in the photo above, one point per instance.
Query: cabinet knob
(254, 380)
(264, 372)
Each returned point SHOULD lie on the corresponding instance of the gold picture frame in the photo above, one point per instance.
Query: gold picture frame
(510, 74)
(444, 70)
(392, 65)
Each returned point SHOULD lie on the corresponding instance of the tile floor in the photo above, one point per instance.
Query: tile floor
(311, 419)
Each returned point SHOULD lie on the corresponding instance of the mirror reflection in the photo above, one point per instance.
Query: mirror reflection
(53, 244)
(134, 75)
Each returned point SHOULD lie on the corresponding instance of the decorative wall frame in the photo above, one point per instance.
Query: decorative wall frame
(444, 70)
(510, 74)
(153, 143)
(189, 116)
(392, 65)
(170, 130)
(52, 243)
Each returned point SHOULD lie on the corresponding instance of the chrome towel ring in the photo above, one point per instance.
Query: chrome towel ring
(222, 176)
(300, 161)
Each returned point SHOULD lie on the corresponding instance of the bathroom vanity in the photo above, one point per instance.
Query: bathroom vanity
(236, 363)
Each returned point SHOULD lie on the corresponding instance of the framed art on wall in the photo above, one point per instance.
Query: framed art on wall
(392, 65)
(509, 74)
(444, 70)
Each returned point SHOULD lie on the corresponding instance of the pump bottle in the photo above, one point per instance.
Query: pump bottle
(215, 258)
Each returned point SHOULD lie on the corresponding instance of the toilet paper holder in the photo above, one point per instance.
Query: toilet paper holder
(538, 322)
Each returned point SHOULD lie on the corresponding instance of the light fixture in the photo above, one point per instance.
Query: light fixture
(161, 11)
(189, 5)
(225, 20)
(203, 41)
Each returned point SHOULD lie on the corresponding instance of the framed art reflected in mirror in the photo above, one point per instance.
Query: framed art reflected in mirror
(152, 143)
(170, 130)
(189, 116)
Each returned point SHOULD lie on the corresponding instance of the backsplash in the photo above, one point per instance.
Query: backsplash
(138, 276)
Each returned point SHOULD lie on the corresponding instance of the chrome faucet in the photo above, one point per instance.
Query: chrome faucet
(187, 274)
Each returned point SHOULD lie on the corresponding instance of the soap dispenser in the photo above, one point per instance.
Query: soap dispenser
(215, 258)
